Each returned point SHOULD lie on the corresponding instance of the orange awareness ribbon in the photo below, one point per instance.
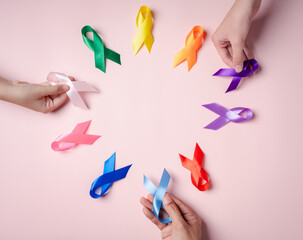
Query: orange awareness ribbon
(198, 174)
(192, 45)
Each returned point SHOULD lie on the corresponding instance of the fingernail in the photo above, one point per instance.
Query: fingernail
(65, 87)
(238, 68)
(167, 199)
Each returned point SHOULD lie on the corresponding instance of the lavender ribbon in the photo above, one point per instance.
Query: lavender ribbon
(230, 72)
(227, 115)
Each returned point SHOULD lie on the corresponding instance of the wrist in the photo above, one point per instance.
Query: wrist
(11, 91)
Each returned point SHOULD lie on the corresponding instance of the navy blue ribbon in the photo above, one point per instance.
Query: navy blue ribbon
(109, 176)
(158, 193)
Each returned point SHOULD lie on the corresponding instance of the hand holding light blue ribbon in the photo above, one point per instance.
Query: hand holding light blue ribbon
(158, 193)
(109, 176)
(246, 72)
(226, 115)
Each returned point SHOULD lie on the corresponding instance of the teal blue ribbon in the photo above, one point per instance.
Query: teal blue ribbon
(100, 51)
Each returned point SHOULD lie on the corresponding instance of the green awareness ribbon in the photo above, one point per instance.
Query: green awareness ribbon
(100, 51)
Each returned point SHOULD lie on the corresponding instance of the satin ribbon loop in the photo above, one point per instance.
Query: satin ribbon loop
(192, 45)
(198, 173)
(109, 176)
(158, 193)
(77, 136)
(227, 115)
(249, 67)
(144, 23)
(100, 51)
(74, 87)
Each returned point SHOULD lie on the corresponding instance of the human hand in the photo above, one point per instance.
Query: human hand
(38, 97)
(185, 225)
(230, 37)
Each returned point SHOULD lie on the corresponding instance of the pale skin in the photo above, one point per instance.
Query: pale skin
(42, 97)
(230, 38)
(185, 225)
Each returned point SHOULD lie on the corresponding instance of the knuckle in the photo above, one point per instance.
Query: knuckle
(214, 38)
(180, 226)
(172, 206)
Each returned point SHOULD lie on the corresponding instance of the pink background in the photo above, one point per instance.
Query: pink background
(149, 112)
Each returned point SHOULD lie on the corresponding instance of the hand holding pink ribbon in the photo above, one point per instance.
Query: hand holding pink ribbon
(75, 87)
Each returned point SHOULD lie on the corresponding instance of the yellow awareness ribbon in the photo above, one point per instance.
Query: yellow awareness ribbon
(192, 45)
(144, 23)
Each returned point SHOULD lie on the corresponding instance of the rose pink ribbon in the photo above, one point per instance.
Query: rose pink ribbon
(75, 87)
(226, 115)
(77, 136)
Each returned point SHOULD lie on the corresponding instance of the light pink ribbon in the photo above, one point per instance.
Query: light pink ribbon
(77, 136)
(75, 87)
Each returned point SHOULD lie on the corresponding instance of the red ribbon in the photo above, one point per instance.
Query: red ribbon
(198, 174)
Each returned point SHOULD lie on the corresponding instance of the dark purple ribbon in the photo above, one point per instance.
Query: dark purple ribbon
(230, 72)
(227, 115)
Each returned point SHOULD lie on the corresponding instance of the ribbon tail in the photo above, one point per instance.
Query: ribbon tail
(157, 203)
(149, 41)
(234, 84)
(113, 56)
(149, 186)
(138, 41)
(216, 124)
(100, 60)
(109, 166)
(180, 57)
(191, 60)
(82, 86)
(81, 138)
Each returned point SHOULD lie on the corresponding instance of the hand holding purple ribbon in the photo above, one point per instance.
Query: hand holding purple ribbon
(249, 67)
(227, 115)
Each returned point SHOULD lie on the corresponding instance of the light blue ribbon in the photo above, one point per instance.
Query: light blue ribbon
(158, 193)
(109, 176)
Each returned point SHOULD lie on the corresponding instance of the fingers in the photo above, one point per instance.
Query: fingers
(184, 209)
(225, 56)
(53, 90)
(188, 214)
(146, 203)
(238, 56)
(222, 50)
(172, 209)
(52, 104)
(46, 84)
(148, 212)
(249, 54)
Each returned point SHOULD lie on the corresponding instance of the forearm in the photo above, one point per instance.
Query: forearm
(6, 90)
(249, 7)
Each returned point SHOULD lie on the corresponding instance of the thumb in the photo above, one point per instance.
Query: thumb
(172, 209)
(54, 90)
(238, 56)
